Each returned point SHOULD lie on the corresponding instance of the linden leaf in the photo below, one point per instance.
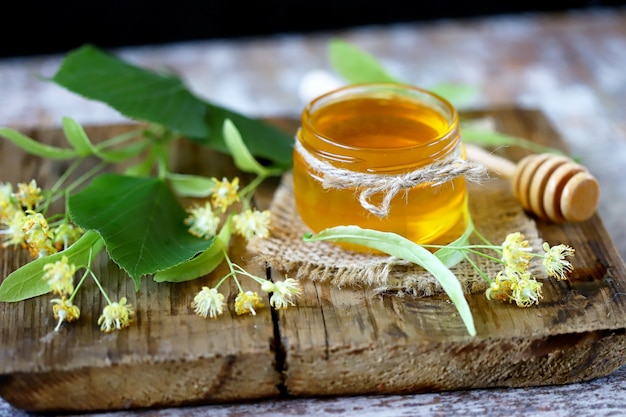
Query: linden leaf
(140, 220)
(200, 265)
(36, 148)
(356, 65)
(242, 157)
(403, 248)
(186, 185)
(26, 282)
(163, 99)
(450, 254)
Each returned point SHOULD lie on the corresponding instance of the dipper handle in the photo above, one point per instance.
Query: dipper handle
(552, 187)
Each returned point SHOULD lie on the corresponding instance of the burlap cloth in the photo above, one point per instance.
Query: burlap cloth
(494, 210)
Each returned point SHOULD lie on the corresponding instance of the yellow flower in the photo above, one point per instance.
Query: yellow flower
(8, 204)
(14, 233)
(282, 292)
(225, 193)
(526, 291)
(554, 260)
(246, 302)
(516, 252)
(65, 235)
(64, 310)
(252, 223)
(60, 276)
(202, 221)
(36, 234)
(500, 289)
(29, 194)
(115, 316)
(208, 302)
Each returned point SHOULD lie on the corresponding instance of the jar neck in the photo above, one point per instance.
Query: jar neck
(380, 128)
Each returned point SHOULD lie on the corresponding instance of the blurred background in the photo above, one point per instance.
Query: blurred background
(44, 27)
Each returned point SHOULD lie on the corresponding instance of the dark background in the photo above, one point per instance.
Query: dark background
(45, 27)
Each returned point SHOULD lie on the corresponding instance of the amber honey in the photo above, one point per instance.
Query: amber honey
(381, 129)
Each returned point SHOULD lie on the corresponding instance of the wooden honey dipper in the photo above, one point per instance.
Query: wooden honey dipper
(553, 187)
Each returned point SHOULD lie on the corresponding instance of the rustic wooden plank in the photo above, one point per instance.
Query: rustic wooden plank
(334, 342)
(168, 357)
(349, 341)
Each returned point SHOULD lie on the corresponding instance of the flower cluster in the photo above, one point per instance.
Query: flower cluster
(516, 283)
(204, 221)
(59, 276)
(23, 224)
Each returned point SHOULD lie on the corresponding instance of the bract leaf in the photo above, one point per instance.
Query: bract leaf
(242, 157)
(486, 137)
(26, 282)
(76, 136)
(35, 148)
(450, 255)
(140, 220)
(356, 65)
(190, 185)
(203, 264)
(458, 94)
(403, 248)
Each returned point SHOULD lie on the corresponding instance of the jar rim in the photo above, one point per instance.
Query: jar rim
(434, 100)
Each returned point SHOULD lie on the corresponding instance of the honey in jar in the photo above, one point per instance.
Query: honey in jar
(378, 131)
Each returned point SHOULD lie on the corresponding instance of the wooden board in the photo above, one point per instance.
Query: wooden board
(333, 342)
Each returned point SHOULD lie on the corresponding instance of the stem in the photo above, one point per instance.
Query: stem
(80, 283)
(477, 269)
(87, 271)
(59, 182)
(106, 297)
(65, 175)
(116, 140)
(249, 275)
(161, 160)
(483, 238)
(85, 177)
(232, 273)
(249, 189)
(484, 255)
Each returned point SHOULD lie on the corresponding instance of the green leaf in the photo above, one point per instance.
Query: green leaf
(76, 136)
(486, 137)
(403, 248)
(26, 282)
(262, 139)
(458, 94)
(241, 155)
(190, 185)
(140, 220)
(163, 99)
(201, 265)
(356, 65)
(137, 93)
(119, 155)
(35, 148)
(450, 255)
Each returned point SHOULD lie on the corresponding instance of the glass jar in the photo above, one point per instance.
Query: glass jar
(377, 132)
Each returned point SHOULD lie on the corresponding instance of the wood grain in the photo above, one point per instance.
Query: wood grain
(334, 342)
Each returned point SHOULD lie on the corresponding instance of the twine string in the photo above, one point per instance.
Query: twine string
(388, 185)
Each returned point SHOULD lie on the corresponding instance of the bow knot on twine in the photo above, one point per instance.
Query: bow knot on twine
(389, 186)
